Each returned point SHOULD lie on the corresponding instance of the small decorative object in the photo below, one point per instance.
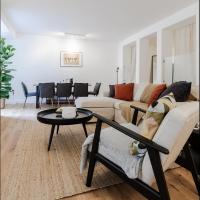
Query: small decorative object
(117, 71)
(6, 52)
(68, 112)
(70, 59)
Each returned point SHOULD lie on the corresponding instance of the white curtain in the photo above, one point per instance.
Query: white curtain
(130, 65)
(183, 48)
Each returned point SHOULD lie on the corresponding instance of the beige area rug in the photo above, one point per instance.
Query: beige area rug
(36, 174)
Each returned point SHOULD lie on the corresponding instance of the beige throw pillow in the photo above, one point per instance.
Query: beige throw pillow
(146, 95)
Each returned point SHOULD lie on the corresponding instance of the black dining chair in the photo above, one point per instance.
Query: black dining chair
(80, 90)
(95, 92)
(27, 93)
(47, 91)
(64, 90)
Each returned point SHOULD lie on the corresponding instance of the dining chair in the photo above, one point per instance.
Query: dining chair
(80, 90)
(95, 92)
(47, 90)
(27, 93)
(64, 90)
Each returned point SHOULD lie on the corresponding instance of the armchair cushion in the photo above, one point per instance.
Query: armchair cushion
(114, 145)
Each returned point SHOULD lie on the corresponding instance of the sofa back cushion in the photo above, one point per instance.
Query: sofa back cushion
(146, 95)
(156, 93)
(111, 90)
(181, 90)
(172, 134)
(138, 90)
(124, 91)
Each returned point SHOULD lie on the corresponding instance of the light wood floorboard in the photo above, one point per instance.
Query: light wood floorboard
(180, 182)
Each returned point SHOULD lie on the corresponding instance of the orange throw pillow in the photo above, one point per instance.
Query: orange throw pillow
(124, 91)
(156, 93)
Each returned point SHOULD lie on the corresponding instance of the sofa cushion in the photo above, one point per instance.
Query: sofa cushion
(146, 95)
(138, 90)
(111, 90)
(156, 93)
(94, 102)
(194, 94)
(181, 90)
(124, 91)
(126, 110)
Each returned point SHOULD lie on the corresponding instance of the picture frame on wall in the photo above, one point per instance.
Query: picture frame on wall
(70, 59)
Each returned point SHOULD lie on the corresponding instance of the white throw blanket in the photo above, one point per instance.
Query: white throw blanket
(114, 146)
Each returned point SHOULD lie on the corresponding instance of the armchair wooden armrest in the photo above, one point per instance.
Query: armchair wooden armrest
(135, 113)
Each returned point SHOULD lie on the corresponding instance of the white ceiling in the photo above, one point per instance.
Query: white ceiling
(100, 19)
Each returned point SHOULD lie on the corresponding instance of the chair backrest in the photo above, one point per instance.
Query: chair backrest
(173, 134)
(80, 89)
(47, 90)
(64, 89)
(97, 88)
(25, 90)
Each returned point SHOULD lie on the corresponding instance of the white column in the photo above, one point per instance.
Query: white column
(137, 70)
(159, 74)
(197, 48)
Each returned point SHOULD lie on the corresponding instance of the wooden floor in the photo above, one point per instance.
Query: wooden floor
(180, 183)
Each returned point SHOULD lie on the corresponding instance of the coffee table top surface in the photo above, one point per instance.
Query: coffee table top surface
(50, 116)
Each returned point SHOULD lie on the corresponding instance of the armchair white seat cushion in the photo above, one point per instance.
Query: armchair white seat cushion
(172, 134)
(114, 145)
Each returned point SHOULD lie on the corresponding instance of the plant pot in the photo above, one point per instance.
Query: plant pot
(3, 101)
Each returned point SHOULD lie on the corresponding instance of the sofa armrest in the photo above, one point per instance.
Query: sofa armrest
(106, 94)
(128, 132)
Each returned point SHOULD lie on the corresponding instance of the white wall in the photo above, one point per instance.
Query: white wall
(191, 11)
(37, 59)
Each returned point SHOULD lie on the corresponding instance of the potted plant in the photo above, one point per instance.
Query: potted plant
(6, 52)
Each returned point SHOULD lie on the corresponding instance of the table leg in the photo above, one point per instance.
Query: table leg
(51, 136)
(37, 103)
(57, 129)
(85, 130)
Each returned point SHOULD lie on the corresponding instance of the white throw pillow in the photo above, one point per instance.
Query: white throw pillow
(138, 90)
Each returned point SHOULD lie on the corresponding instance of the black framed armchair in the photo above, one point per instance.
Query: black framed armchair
(167, 144)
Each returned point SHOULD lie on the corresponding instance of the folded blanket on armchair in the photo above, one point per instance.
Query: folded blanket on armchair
(116, 150)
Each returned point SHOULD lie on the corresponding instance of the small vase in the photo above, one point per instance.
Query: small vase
(2, 103)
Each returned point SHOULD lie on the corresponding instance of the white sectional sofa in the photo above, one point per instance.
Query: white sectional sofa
(110, 107)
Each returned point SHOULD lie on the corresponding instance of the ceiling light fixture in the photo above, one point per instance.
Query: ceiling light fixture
(75, 36)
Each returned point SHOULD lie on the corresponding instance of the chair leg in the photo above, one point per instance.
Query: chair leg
(25, 102)
(58, 101)
(90, 170)
(51, 102)
(95, 147)
(192, 166)
(158, 173)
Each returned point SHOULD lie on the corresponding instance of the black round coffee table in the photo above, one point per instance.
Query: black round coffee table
(54, 118)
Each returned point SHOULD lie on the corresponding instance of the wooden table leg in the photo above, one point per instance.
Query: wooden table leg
(51, 136)
(37, 103)
(85, 130)
(57, 129)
